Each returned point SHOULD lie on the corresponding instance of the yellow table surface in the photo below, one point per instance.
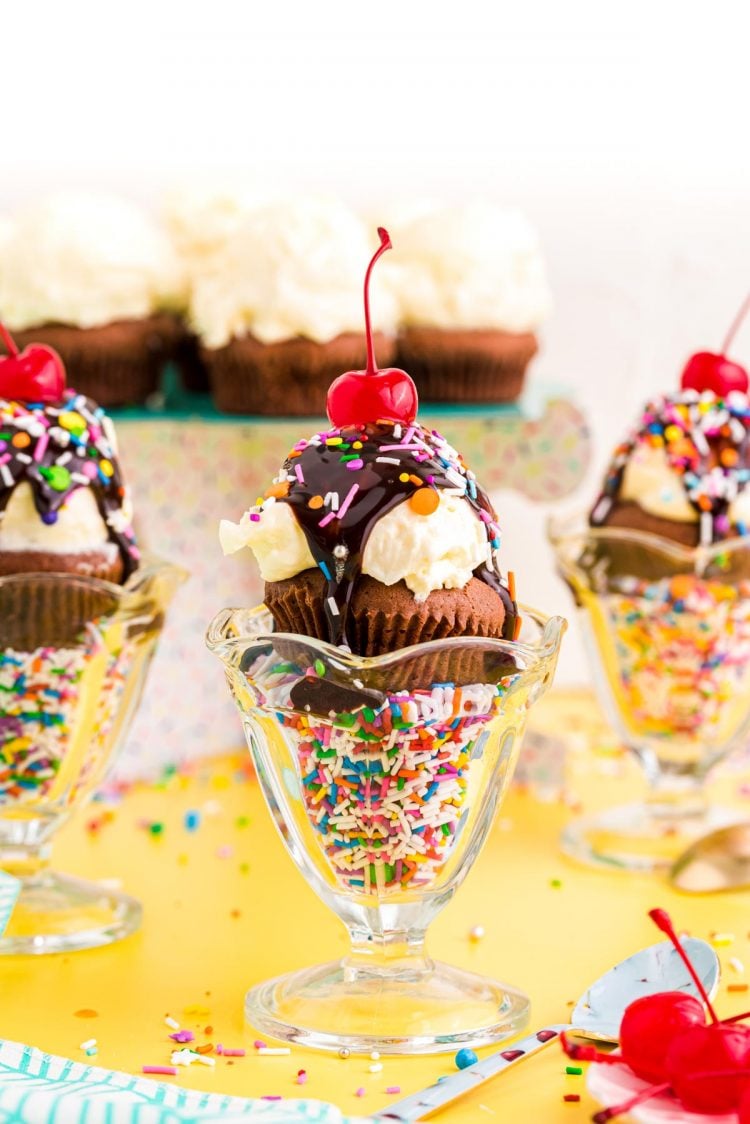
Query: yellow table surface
(224, 907)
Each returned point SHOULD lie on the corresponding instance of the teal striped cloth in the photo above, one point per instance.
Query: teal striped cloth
(37, 1088)
(9, 891)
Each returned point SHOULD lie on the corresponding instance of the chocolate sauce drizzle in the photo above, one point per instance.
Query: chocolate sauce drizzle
(338, 492)
(707, 444)
(57, 448)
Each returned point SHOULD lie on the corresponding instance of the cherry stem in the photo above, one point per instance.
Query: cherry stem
(663, 921)
(385, 244)
(8, 340)
(744, 307)
(618, 1109)
(578, 1053)
(736, 1018)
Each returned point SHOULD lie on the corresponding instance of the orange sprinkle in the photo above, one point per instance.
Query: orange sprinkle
(737, 987)
(424, 501)
(512, 585)
(21, 440)
(315, 502)
(278, 490)
(729, 457)
(704, 503)
(517, 628)
(681, 586)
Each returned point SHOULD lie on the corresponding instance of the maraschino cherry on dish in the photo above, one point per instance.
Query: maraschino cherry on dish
(707, 370)
(358, 397)
(35, 374)
(664, 1038)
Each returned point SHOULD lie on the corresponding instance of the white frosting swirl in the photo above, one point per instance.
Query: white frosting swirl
(649, 481)
(471, 267)
(79, 525)
(427, 552)
(291, 269)
(85, 260)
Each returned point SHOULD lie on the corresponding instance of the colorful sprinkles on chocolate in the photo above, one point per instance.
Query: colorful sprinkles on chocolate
(340, 482)
(58, 448)
(705, 439)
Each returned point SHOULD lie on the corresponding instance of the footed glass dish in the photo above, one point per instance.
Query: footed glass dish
(667, 630)
(383, 776)
(74, 652)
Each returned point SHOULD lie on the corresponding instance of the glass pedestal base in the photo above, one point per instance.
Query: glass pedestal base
(631, 837)
(428, 1008)
(58, 913)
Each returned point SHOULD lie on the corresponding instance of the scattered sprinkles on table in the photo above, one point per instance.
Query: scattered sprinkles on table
(705, 439)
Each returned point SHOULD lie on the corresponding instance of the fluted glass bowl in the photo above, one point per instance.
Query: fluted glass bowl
(667, 630)
(383, 776)
(74, 652)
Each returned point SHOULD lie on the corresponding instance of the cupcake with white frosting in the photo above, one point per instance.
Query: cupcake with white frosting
(473, 292)
(94, 277)
(278, 307)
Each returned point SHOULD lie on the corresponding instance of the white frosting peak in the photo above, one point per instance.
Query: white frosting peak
(471, 267)
(290, 269)
(427, 552)
(86, 260)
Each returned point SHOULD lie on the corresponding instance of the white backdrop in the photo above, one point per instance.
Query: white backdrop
(621, 129)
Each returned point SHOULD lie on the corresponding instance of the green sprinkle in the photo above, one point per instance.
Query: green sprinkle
(400, 783)
(156, 828)
(242, 821)
(574, 1070)
(445, 829)
(349, 457)
(555, 883)
(320, 668)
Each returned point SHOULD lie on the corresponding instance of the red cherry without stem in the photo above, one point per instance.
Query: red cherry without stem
(743, 1112)
(367, 396)
(649, 1026)
(707, 370)
(703, 1064)
(35, 374)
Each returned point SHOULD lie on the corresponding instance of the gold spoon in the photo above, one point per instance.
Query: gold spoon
(717, 861)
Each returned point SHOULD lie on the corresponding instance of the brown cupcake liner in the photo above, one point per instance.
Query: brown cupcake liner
(290, 378)
(117, 364)
(384, 619)
(466, 366)
(38, 613)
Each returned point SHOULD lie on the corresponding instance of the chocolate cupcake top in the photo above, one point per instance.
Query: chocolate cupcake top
(687, 460)
(57, 448)
(342, 482)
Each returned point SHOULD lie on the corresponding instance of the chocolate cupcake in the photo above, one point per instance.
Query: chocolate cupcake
(94, 278)
(378, 537)
(277, 308)
(472, 292)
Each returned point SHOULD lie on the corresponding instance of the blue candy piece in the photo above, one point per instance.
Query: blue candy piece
(465, 1058)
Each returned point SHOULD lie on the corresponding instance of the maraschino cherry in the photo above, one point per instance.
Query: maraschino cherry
(708, 371)
(35, 374)
(368, 396)
(706, 1066)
